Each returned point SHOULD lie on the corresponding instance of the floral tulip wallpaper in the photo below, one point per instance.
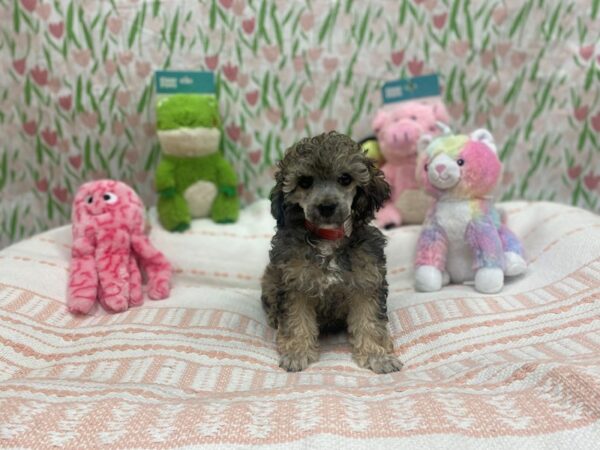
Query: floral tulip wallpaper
(77, 100)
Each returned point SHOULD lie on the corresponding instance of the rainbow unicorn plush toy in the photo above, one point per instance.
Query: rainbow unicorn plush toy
(463, 237)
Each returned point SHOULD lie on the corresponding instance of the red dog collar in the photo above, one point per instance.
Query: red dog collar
(331, 234)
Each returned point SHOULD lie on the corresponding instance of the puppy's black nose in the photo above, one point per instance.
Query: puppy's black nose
(327, 210)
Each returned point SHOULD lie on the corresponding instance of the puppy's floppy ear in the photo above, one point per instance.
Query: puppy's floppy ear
(370, 197)
(277, 198)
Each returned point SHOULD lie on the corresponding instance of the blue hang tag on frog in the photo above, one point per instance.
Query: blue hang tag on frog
(184, 82)
(411, 89)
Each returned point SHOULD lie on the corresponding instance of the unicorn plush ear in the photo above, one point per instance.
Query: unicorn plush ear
(445, 129)
(424, 142)
(484, 136)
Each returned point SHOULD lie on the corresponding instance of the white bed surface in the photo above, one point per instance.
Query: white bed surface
(520, 369)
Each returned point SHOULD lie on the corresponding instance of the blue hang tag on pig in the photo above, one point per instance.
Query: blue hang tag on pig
(411, 89)
(184, 82)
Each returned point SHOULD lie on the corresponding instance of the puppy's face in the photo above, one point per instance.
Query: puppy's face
(330, 179)
(325, 198)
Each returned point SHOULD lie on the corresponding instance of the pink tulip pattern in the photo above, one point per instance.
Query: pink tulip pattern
(79, 100)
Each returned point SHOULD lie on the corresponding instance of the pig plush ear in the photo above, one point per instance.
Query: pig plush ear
(484, 136)
(380, 119)
(440, 112)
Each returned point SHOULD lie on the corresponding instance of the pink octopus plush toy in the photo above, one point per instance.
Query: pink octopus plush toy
(110, 250)
(398, 128)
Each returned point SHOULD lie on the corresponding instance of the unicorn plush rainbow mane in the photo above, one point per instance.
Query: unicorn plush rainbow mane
(463, 237)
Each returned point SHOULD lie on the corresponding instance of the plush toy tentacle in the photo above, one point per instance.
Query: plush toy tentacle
(83, 277)
(112, 261)
(136, 295)
(156, 266)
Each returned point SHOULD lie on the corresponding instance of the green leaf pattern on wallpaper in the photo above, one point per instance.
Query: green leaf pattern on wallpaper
(77, 101)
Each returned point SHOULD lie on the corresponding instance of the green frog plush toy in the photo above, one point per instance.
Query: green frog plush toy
(193, 179)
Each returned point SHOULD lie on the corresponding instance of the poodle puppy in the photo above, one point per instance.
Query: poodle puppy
(327, 264)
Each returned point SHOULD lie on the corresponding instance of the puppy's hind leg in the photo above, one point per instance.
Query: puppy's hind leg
(297, 332)
(372, 344)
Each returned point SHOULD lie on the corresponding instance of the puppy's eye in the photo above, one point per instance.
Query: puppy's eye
(110, 198)
(460, 162)
(305, 182)
(345, 179)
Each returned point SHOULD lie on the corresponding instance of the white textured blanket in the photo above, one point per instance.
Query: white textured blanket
(520, 369)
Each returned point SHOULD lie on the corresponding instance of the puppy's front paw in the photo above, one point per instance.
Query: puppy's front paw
(380, 363)
(295, 362)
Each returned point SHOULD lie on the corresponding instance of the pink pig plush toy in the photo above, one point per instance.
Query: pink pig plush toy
(398, 128)
(110, 250)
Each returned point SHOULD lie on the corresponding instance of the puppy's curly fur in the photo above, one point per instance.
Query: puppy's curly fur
(313, 284)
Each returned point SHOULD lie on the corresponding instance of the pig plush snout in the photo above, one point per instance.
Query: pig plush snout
(402, 135)
(399, 127)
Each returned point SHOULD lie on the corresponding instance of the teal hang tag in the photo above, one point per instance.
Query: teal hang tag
(411, 89)
(184, 82)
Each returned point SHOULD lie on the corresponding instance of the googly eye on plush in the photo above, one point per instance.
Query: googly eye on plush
(345, 179)
(89, 199)
(110, 198)
(305, 182)
(460, 162)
